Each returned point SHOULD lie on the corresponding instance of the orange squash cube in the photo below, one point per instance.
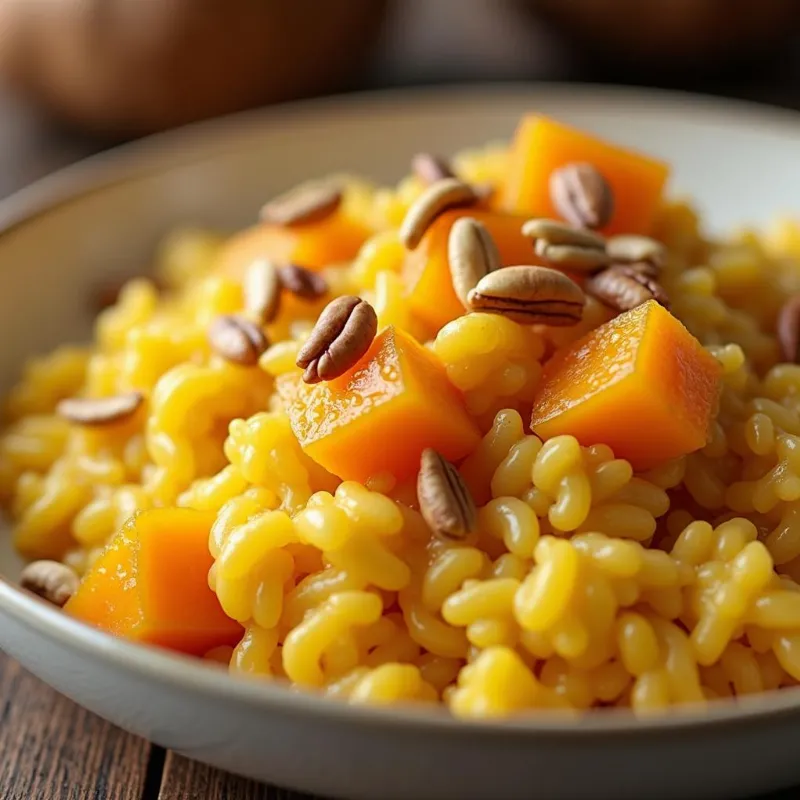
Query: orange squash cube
(151, 584)
(108, 596)
(542, 145)
(640, 383)
(379, 416)
(426, 271)
(313, 245)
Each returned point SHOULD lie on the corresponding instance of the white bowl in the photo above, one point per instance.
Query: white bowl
(741, 162)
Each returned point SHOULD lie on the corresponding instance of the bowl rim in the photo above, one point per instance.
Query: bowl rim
(200, 141)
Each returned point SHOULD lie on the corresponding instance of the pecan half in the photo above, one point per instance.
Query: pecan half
(444, 499)
(302, 282)
(529, 295)
(430, 168)
(471, 254)
(343, 333)
(262, 290)
(581, 195)
(237, 339)
(437, 198)
(623, 287)
(310, 202)
(100, 410)
(51, 580)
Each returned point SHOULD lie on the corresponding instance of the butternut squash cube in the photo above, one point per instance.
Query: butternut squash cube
(542, 145)
(313, 245)
(151, 584)
(640, 383)
(380, 415)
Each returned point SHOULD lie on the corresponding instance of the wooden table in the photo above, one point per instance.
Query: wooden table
(51, 749)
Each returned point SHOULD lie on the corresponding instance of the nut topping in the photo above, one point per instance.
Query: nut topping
(581, 195)
(471, 254)
(343, 333)
(237, 339)
(302, 282)
(262, 291)
(51, 580)
(309, 202)
(430, 168)
(623, 287)
(100, 410)
(633, 249)
(437, 198)
(571, 257)
(555, 232)
(529, 295)
(444, 499)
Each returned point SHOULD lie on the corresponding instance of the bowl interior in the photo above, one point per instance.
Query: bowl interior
(66, 234)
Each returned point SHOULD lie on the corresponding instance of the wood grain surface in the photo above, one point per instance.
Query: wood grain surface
(184, 779)
(52, 749)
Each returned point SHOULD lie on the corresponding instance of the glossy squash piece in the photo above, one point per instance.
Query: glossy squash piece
(542, 145)
(151, 584)
(641, 384)
(379, 416)
(312, 245)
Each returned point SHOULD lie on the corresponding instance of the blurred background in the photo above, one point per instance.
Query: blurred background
(77, 76)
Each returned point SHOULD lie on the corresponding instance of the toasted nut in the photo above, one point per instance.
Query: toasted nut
(581, 195)
(309, 202)
(51, 580)
(430, 168)
(631, 249)
(567, 256)
(529, 295)
(642, 267)
(444, 499)
(100, 410)
(237, 339)
(438, 197)
(302, 282)
(555, 232)
(788, 330)
(471, 253)
(623, 287)
(343, 333)
(262, 290)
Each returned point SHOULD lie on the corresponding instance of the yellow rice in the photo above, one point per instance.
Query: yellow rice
(586, 586)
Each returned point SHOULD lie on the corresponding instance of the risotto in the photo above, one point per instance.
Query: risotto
(513, 435)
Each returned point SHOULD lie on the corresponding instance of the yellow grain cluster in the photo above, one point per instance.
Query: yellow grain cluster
(586, 585)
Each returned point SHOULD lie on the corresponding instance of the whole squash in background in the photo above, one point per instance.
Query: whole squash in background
(673, 36)
(135, 66)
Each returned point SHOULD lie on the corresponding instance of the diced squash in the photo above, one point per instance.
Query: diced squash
(542, 145)
(641, 384)
(426, 271)
(108, 596)
(313, 245)
(151, 584)
(380, 415)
